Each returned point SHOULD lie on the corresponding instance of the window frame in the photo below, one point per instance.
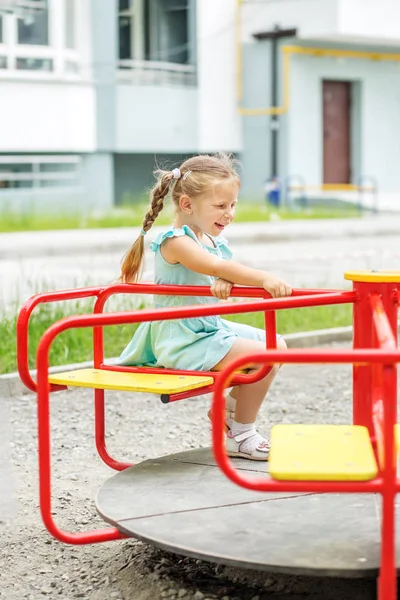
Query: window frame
(63, 59)
(137, 42)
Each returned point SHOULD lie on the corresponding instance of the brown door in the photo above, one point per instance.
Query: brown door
(336, 123)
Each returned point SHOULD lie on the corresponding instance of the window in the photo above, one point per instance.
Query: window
(155, 30)
(40, 36)
(125, 37)
(15, 175)
(33, 27)
(169, 31)
(130, 25)
(125, 5)
(50, 172)
(34, 64)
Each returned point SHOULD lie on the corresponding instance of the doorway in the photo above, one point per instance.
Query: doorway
(336, 110)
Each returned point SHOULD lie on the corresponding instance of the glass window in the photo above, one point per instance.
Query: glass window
(175, 38)
(70, 37)
(38, 175)
(125, 37)
(15, 175)
(167, 30)
(57, 167)
(33, 27)
(34, 64)
(58, 174)
(125, 5)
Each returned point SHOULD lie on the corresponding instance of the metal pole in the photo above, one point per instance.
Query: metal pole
(365, 284)
(274, 102)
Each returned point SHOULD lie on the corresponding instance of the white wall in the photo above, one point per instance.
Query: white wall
(310, 17)
(351, 21)
(156, 119)
(219, 124)
(368, 19)
(46, 117)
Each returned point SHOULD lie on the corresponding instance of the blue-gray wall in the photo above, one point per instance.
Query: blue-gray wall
(375, 117)
(256, 152)
(134, 173)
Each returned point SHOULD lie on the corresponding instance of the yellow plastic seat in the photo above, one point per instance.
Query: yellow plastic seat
(321, 453)
(130, 382)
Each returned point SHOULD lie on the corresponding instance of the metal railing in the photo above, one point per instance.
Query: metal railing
(149, 72)
(296, 188)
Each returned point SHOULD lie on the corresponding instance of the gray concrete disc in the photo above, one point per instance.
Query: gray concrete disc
(185, 504)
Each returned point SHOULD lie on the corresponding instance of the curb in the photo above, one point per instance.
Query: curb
(11, 385)
(309, 339)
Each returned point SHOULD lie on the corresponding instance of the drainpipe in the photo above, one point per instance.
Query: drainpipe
(274, 124)
(274, 36)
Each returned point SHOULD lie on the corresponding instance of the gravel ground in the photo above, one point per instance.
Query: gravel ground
(34, 565)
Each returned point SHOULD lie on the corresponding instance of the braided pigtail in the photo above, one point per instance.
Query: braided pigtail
(133, 259)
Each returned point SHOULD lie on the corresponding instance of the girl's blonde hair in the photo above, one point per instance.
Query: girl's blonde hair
(198, 175)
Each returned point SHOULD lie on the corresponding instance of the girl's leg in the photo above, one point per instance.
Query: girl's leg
(249, 397)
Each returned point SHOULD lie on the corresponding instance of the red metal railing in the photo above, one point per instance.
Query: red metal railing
(291, 356)
(102, 294)
(98, 321)
(374, 357)
(375, 323)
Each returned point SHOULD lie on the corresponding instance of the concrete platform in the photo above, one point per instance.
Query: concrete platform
(184, 504)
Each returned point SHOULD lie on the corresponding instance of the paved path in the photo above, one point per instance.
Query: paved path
(68, 242)
(318, 262)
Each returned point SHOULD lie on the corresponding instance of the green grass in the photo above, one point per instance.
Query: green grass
(76, 345)
(132, 216)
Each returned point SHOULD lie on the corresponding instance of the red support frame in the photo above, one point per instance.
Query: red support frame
(385, 484)
(98, 321)
(365, 337)
(375, 325)
(102, 295)
(374, 356)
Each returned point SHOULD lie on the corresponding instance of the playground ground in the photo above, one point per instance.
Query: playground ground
(35, 566)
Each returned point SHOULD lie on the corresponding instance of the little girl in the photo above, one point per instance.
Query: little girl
(193, 252)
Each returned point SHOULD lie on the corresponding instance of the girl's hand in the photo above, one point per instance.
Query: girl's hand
(276, 287)
(221, 289)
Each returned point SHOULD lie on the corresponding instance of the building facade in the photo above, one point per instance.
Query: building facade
(92, 98)
(337, 94)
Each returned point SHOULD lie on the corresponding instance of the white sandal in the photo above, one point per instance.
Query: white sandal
(259, 449)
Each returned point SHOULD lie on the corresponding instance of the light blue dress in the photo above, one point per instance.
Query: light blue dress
(188, 344)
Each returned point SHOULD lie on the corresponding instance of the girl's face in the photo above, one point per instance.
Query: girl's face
(216, 211)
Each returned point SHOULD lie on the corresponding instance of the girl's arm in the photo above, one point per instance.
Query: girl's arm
(187, 252)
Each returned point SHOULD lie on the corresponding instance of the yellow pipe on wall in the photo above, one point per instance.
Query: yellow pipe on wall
(287, 51)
